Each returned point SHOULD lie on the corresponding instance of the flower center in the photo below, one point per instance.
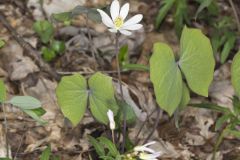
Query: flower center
(118, 22)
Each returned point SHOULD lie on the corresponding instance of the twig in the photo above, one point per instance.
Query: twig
(155, 125)
(235, 14)
(31, 52)
(6, 129)
(139, 131)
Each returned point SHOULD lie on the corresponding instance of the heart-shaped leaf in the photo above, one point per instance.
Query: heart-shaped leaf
(72, 97)
(166, 77)
(101, 97)
(196, 61)
(235, 70)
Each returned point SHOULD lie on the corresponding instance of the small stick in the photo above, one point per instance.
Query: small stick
(155, 125)
(137, 136)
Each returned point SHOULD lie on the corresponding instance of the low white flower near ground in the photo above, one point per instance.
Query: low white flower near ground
(152, 156)
(118, 16)
(146, 153)
(145, 148)
(111, 119)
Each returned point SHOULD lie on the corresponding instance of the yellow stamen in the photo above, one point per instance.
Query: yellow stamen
(118, 22)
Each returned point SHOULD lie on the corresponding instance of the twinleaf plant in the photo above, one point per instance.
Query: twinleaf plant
(75, 93)
(194, 70)
(52, 47)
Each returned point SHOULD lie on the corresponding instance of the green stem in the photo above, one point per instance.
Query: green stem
(219, 141)
(121, 91)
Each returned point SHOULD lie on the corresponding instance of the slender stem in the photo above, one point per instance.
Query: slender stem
(118, 65)
(235, 14)
(219, 141)
(6, 129)
(121, 91)
(155, 125)
(113, 138)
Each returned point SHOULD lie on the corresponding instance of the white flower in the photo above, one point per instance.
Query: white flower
(117, 21)
(111, 119)
(144, 148)
(153, 156)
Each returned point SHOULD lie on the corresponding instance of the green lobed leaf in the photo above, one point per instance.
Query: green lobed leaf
(46, 154)
(44, 29)
(72, 97)
(166, 77)
(167, 5)
(101, 97)
(25, 102)
(3, 92)
(196, 60)
(235, 71)
(109, 145)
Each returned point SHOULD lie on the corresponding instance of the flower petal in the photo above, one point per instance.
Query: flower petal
(133, 27)
(114, 9)
(134, 20)
(113, 30)
(105, 18)
(149, 143)
(125, 32)
(145, 156)
(110, 115)
(124, 11)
